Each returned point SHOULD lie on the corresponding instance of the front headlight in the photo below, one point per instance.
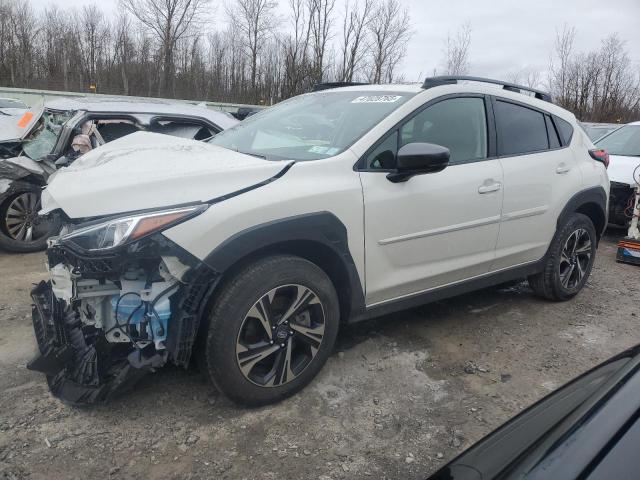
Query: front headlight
(118, 231)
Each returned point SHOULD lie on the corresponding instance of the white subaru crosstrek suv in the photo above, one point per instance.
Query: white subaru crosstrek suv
(331, 207)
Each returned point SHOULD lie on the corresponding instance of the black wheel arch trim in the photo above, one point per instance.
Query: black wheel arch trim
(320, 230)
(595, 196)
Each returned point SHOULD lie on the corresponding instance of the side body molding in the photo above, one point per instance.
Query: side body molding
(319, 234)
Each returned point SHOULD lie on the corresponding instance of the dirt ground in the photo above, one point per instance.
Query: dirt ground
(400, 396)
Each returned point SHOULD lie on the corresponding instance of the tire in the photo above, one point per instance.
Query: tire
(247, 362)
(24, 197)
(569, 260)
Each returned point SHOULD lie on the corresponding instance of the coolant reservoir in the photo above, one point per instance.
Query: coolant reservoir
(134, 309)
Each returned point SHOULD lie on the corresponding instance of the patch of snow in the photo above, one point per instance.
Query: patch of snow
(4, 185)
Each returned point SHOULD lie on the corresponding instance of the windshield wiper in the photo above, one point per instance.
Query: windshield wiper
(258, 155)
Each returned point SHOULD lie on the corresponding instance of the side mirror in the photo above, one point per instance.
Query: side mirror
(417, 159)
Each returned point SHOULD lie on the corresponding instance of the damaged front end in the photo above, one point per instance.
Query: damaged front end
(109, 315)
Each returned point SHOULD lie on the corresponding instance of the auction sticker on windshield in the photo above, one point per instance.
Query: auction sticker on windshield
(377, 99)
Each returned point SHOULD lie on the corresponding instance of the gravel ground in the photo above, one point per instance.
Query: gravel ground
(400, 396)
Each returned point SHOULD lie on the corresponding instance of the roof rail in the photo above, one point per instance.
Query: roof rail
(325, 86)
(431, 82)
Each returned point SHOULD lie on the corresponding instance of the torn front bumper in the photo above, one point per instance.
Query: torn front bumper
(79, 371)
(83, 363)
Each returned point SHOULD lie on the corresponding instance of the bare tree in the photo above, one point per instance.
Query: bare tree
(320, 23)
(255, 21)
(170, 20)
(390, 31)
(529, 77)
(559, 73)
(457, 51)
(296, 47)
(355, 22)
(599, 85)
(92, 35)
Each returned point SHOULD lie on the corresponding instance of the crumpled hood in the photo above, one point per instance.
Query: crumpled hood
(14, 128)
(150, 170)
(621, 169)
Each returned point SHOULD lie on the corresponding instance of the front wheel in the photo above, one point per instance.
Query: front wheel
(271, 329)
(22, 230)
(569, 261)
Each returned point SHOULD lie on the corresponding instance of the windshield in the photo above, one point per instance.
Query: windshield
(624, 141)
(594, 132)
(45, 134)
(9, 103)
(312, 126)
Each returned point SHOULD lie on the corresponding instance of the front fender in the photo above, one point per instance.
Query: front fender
(21, 167)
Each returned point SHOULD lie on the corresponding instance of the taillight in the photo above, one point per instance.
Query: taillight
(600, 155)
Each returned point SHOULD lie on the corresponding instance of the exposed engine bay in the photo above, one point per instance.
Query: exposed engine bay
(103, 321)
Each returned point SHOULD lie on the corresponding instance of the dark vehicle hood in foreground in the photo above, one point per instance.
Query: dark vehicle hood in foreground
(567, 435)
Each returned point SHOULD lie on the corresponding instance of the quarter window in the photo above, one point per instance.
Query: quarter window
(564, 129)
(554, 141)
(384, 155)
(520, 129)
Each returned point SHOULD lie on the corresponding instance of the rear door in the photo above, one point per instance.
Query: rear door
(439, 228)
(540, 176)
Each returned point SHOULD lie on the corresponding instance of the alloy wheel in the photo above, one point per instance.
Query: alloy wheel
(22, 221)
(280, 335)
(575, 258)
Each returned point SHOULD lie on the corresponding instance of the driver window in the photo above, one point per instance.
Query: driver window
(457, 123)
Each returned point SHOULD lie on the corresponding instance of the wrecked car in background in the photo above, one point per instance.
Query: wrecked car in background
(623, 147)
(47, 138)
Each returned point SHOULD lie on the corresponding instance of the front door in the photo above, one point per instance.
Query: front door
(434, 229)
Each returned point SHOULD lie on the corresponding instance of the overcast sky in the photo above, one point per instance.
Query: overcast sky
(507, 36)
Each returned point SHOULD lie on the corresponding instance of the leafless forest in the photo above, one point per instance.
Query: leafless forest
(259, 51)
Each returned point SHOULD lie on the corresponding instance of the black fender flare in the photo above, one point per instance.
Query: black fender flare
(320, 229)
(593, 196)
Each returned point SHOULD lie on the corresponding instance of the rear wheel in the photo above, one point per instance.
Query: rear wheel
(271, 329)
(21, 228)
(569, 262)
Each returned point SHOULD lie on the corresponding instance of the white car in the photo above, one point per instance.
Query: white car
(623, 147)
(331, 207)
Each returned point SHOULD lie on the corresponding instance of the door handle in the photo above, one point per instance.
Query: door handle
(563, 168)
(489, 187)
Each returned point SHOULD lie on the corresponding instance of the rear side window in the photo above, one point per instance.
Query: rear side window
(564, 129)
(520, 129)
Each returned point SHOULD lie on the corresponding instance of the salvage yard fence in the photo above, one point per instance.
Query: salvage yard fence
(32, 97)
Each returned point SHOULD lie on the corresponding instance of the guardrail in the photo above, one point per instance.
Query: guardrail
(31, 96)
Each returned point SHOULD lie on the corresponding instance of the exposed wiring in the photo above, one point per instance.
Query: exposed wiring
(118, 325)
(149, 313)
(126, 331)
